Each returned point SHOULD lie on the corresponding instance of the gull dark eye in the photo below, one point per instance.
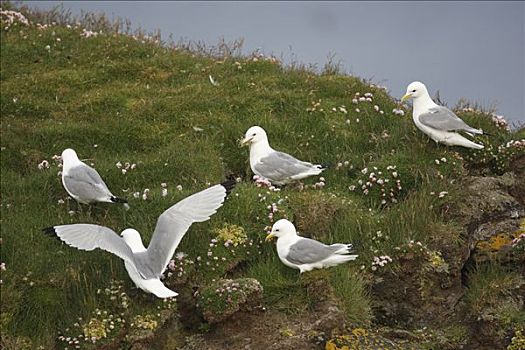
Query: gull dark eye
(276, 230)
(253, 134)
(414, 90)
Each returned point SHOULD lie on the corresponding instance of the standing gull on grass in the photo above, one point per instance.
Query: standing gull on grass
(83, 183)
(145, 266)
(306, 254)
(277, 167)
(438, 122)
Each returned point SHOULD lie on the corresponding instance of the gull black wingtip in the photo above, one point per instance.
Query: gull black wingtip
(119, 200)
(51, 232)
(229, 185)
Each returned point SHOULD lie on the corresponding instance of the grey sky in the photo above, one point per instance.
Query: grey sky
(474, 50)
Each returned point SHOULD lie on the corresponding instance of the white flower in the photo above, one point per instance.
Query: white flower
(164, 192)
(180, 255)
(43, 165)
(442, 194)
(364, 171)
(351, 188)
(48, 48)
(179, 187)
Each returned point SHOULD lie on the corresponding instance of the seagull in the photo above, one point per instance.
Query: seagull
(277, 167)
(306, 254)
(146, 265)
(83, 183)
(438, 122)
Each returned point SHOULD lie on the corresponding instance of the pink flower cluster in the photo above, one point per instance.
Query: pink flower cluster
(262, 182)
(12, 16)
(380, 261)
(500, 121)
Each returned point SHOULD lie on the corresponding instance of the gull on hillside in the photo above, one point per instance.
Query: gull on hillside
(306, 254)
(277, 167)
(438, 122)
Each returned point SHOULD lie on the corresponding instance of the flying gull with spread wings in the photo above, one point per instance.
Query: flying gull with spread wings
(146, 265)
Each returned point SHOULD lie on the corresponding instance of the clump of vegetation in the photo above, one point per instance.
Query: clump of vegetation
(496, 159)
(494, 300)
(231, 235)
(360, 338)
(107, 326)
(222, 299)
(314, 212)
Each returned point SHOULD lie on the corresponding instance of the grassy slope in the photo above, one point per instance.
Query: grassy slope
(139, 102)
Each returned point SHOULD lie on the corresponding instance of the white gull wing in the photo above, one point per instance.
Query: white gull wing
(442, 118)
(279, 166)
(175, 221)
(85, 183)
(309, 251)
(89, 237)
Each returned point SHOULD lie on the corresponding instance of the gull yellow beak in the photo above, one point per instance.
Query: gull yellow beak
(406, 97)
(269, 237)
(246, 141)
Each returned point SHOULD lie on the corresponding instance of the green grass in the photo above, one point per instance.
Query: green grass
(138, 103)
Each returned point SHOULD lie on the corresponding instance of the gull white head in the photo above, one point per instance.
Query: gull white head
(415, 90)
(69, 154)
(133, 240)
(254, 135)
(69, 158)
(282, 228)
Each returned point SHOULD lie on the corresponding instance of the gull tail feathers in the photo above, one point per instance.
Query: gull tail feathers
(458, 140)
(337, 259)
(156, 287)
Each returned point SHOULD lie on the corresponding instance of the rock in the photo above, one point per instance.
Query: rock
(491, 215)
(226, 297)
(418, 290)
